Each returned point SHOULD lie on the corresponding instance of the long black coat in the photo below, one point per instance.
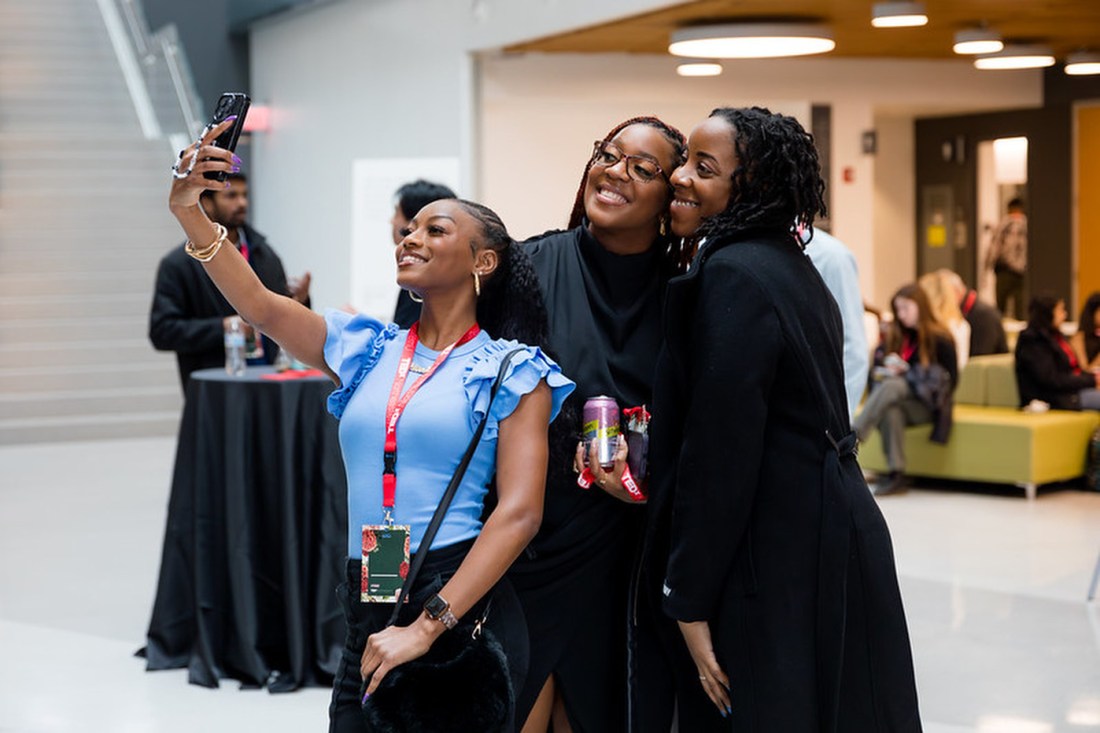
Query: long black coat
(760, 520)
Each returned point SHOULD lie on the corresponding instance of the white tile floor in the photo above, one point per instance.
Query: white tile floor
(994, 586)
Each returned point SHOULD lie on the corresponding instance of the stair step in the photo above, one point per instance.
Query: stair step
(74, 283)
(65, 377)
(59, 306)
(49, 330)
(102, 427)
(87, 403)
(77, 353)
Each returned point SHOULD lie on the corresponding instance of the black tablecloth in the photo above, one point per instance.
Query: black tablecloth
(256, 539)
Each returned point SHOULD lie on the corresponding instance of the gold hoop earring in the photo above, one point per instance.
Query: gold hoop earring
(414, 297)
(477, 284)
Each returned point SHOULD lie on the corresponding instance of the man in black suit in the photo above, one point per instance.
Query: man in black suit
(189, 316)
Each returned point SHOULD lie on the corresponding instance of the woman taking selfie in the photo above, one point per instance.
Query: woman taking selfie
(765, 545)
(410, 403)
(602, 280)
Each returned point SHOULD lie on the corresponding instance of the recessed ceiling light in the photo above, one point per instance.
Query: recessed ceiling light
(751, 40)
(898, 15)
(978, 41)
(1083, 63)
(1017, 57)
(699, 68)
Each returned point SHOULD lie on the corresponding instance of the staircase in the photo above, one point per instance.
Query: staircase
(83, 224)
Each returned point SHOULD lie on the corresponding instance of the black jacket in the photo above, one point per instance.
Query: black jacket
(1043, 372)
(759, 513)
(987, 333)
(188, 311)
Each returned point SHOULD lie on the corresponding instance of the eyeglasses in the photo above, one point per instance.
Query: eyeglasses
(638, 167)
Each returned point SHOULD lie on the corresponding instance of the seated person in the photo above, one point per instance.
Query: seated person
(987, 332)
(1047, 368)
(945, 307)
(1086, 342)
(915, 373)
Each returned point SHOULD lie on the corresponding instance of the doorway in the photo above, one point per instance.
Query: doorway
(1002, 177)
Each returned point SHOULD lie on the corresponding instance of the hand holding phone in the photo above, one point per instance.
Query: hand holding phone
(230, 103)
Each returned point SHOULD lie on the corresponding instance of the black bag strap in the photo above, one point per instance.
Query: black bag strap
(449, 494)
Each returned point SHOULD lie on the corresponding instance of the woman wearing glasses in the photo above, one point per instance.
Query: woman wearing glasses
(602, 280)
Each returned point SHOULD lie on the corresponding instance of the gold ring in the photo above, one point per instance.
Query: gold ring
(703, 677)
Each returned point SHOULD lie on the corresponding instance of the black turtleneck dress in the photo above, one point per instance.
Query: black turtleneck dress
(573, 581)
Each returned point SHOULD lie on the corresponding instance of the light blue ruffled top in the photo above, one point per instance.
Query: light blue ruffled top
(435, 428)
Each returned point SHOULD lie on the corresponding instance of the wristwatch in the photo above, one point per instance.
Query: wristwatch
(438, 609)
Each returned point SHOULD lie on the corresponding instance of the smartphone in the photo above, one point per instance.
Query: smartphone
(230, 103)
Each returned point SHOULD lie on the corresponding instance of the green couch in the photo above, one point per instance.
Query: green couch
(992, 439)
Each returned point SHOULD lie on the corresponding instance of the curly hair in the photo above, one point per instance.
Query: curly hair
(674, 248)
(777, 180)
(511, 307)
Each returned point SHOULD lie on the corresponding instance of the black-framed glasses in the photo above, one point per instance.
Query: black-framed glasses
(639, 168)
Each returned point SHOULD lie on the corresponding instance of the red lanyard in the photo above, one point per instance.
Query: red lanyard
(968, 303)
(908, 348)
(1073, 365)
(398, 402)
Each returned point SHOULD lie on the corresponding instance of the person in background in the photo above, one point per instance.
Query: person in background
(915, 342)
(475, 285)
(987, 332)
(188, 315)
(839, 270)
(1008, 259)
(603, 282)
(1086, 342)
(945, 307)
(764, 545)
(409, 199)
(1047, 368)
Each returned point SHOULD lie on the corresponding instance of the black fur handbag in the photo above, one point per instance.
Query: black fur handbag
(462, 683)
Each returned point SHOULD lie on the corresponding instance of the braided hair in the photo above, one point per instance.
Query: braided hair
(777, 181)
(673, 253)
(511, 307)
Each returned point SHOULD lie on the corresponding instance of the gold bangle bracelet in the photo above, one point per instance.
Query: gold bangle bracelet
(207, 253)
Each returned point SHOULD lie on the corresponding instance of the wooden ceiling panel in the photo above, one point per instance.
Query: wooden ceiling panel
(1065, 25)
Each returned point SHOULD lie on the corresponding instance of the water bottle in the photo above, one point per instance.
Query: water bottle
(234, 349)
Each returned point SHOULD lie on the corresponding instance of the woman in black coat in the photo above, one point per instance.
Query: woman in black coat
(603, 282)
(765, 544)
(1047, 367)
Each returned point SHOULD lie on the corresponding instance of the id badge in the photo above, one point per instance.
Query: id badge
(385, 562)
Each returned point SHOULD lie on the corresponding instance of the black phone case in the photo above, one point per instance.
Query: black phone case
(230, 103)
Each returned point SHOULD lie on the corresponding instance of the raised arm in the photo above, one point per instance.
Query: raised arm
(293, 326)
(521, 481)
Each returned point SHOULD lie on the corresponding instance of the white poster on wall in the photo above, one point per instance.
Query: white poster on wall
(374, 182)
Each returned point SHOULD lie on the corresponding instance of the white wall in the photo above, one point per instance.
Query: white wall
(540, 114)
(374, 79)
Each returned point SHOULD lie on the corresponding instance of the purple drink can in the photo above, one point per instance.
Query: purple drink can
(600, 421)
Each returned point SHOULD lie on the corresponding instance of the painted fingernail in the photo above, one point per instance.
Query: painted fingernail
(724, 713)
(230, 117)
(226, 185)
(236, 160)
(729, 710)
(365, 696)
(235, 169)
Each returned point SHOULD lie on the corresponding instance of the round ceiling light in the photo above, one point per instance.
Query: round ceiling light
(1017, 57)
(898, 15)
(699, 68)
(1083, 63)
(751, 40)
(975, 41)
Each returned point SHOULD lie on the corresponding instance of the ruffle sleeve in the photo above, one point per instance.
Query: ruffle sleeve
(528, 367)
(353, 345)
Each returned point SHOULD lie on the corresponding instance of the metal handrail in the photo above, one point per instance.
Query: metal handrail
(153, 47)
